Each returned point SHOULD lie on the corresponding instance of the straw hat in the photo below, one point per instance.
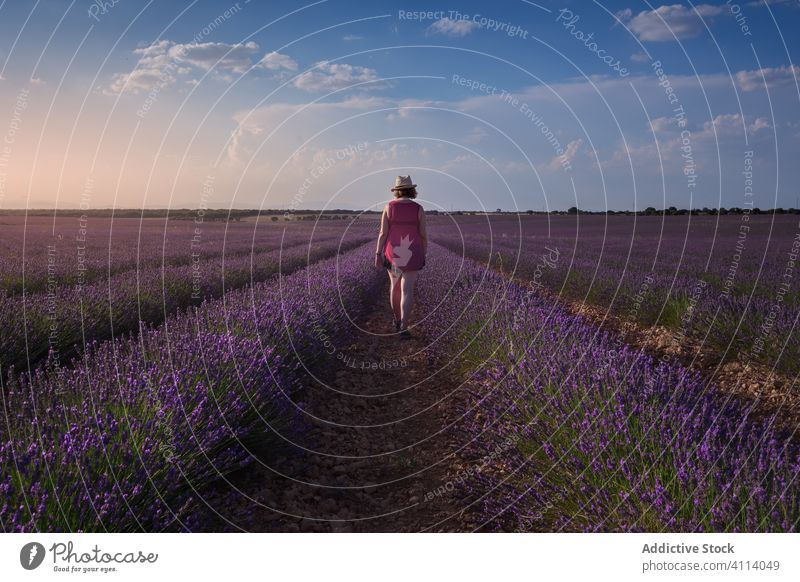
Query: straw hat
(403, 183)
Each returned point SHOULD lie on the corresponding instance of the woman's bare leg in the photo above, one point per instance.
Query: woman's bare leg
(395, 294)
(407, 283)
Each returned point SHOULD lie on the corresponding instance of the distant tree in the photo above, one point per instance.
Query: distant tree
(650, 211)
(756, 210)
(529, 212)
(572, 210)
(672, 210)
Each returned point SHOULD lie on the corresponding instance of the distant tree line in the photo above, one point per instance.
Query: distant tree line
(673, 211)
(276, 214)
(649, 211)
(208, 214)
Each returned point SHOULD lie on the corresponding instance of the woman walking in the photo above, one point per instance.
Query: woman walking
(402, 244)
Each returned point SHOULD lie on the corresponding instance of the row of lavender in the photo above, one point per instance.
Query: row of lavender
(64, 321)
(38, 252)
(131, 437)
(732, 284)
(589, 435)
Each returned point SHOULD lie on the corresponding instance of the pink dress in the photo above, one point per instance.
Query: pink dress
(404, 245)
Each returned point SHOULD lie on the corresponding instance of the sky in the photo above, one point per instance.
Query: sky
(515, 105)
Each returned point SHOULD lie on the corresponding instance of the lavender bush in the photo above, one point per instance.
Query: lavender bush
(65, 320)
(724, 281)
(604, 437)
(37, 251)
(129, 438)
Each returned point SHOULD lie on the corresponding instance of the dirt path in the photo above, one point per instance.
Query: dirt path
(383, 444)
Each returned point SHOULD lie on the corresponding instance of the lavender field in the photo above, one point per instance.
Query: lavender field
(250, 379)
(584, 433)
(63, 291)
(729, 282)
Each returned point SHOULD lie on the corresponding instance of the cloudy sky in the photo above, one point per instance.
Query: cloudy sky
(514, 104)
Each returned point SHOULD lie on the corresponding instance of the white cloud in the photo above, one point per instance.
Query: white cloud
(559, 163)
(151, 70)
(253, 125)
(640, 57)
(410, 108)
(720, 133)
(675, 22)
(138, 81)
(476, 135)
(460, 162)
(758, 124)
(450, 27)
(351, 37)
(624, 14)
(161, 63)
(276, 61)
(662, 124)
(774, 77)
(154, 53)
(564, 160)
(236, 58)
(718, 136)
(732, 124)
(646, 155)
(326, 76)
(723, 124)
(401, 113)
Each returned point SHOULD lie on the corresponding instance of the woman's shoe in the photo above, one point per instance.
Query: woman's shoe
(396, 323)
(405, 334)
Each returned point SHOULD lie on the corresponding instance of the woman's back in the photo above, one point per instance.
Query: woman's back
(404, 245)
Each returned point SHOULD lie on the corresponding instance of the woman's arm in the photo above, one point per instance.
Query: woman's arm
(423, 230)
